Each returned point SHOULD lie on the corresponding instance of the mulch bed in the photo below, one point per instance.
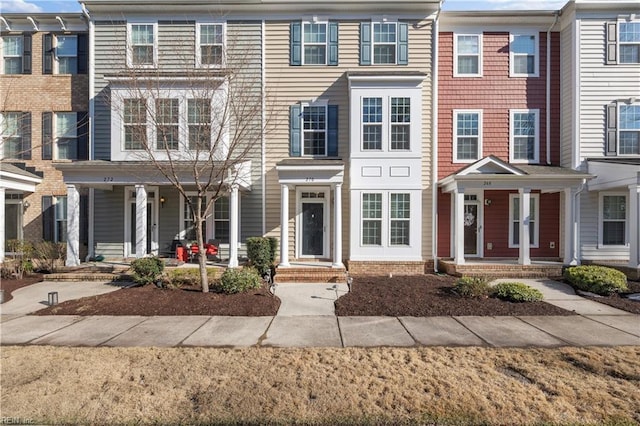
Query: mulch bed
(12, 284)
(427, 295)
(620, 302)
(150, 300)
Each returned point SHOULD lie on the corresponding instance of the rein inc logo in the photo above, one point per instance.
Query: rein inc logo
(16, 421)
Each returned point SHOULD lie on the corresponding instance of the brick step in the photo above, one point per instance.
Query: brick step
(515, 272)
(310, 274)
(87, 276)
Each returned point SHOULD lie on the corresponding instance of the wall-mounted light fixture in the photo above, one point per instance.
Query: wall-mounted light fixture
(26, 204)
(487, 202)
(162, 201)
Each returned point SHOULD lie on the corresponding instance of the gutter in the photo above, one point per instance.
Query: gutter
(92, 77)
(548, 106)
(434, 138)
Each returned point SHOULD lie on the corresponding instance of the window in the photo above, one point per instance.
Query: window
(514, 220)
(188, 224)
(629, 131)
(167, 119)
(314, 43)
(12, 49)
(629, 44)
(221, 219)
(60, 229)
(66, 135)
(523, 55)
(467, 128)
(142, 39)
(199, 123)
(371, 123)
(314, 131)
(524, 136)
(613, 221)
(15, 135)
(210, 45)
(372, 219)
(384, 43)
(400, 215)
(468, 55)
(400, 123)
(67, 54)
(135, 124)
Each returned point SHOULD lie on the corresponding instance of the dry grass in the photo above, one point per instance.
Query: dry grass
(322, 386)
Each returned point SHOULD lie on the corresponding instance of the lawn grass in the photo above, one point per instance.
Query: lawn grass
(321, 386)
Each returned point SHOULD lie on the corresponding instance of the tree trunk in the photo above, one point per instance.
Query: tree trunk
(202, 254)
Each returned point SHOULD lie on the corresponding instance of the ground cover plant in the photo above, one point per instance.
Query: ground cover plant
(596, 279)
(435, 386)
(516, 292)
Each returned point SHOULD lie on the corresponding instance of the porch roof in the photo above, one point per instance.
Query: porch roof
(613, 173)
(492, 173)
(309, 171)
(16, 178)
(106, 174)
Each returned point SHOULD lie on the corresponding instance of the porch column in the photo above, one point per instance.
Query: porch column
(634, 225)
(458, 226)
(141, 221)
(73, 226)
(233, 227)
(570, 227)
(337, 228)
(4, 219)
(525, 216)
(284, 225)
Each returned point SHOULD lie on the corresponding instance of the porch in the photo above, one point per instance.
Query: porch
(502, 268)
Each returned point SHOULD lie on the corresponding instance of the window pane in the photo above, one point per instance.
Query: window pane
(222, 208)
(467, 148)
(630, 32)
(372, 232)
(372, 206)
(629, 143)
(211, 55)
(630, 117)
(384, 43)
(372, 110)
(629, 53)
(468, 44)
(12, 52)
(467, 128)
(524, 44)
(399, 233)
(66, 125)
(467, 64)
(613, 233)
(614, 207)
(372, 133)
(400, 206)
(315, 33)
(524, 136)
(142, 34)
(371, 136)
(314, 127)
(135, 119)
(315, 55)
(524, 64)
(314, 143)
(167, 116)
(211, 34)
(384, 33)
(67, 46)
(384, 54)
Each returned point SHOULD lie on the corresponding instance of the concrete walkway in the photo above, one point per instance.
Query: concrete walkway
(307, 319)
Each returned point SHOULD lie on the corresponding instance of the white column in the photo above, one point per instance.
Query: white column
(634, 225)
(284, 225)
(233, 227)
(525, 217)
(73, 226)
(458, 226)
(141, 221)
(2, 215)
(570, 227)
(337, 226)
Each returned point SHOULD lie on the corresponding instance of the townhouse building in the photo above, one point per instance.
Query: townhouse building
(44, 120)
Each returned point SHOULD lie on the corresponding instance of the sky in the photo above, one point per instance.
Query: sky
(71, 6)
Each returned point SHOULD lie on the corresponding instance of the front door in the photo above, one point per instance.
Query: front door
(471, 226)
(12, 221)
(312, 229)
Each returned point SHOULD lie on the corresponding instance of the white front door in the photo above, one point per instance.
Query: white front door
(472, 226)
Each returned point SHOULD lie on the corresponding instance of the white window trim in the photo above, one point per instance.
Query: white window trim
(536, 224)
(455, 134)
(619, 129)
(390, 219)
(198, 51)
(323, 103)
(56, 62)
(373, 43)
(619, 43)
(536, 158)
(326, 43)
(2, 53)
(601, 196)
(54, 133)
(130, 63)
(381, 219)
(455, 55)
(386, 124)
(4, 136)
(536, 56)
(150, 131)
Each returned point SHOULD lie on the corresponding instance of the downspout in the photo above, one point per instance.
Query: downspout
(576, 222)
(548, 106)
(434, 139)
(263, 139)
(91, 71)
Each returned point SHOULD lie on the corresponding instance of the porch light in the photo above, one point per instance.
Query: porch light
(487, 201)
(162, 200)
(26, 205)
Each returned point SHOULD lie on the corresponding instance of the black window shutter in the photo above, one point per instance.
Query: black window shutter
(48, 215)
(612, 131)
(295, 133)
(26, 54)
(83, 135)
(84, 219)
(611, 55)
(332, 131)
(25, 128)
(47, 51)
(47, 135)
(83, 53)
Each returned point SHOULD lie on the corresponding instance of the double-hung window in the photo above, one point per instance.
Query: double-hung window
(188, 223)
(314, 42)
(15, 135)
(199, 123)
(66, 135)
(142, 45)
(221, 219)
(67, 54)
(371, 123)
(467, 144)
(514, 220)
(523, 55)
(629, 130)
(314, 130)
(135, 124)
(613, 219)
(400, 124)
(60, 229)
(210, 48)
(629, 45)
(167, 124)
(400, 219)
(12, 51)
(384, 42)
(386, 122)
(467, 55)
(524, 136)
(372, 219)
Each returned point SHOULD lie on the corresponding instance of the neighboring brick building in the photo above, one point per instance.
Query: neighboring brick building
(43, 108)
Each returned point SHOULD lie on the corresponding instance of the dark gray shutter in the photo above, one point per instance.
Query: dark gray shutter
(332, 130)
(83, 135)
(84, 219)
(47, 54)
(612, 43)
(295, 54)
(365, 43)
(403, 43)
(333, 44)
(295, 134)
(25, 129)
(48, 218)
(83, 53)
(612, 131)
(47, 135)
(26, 54)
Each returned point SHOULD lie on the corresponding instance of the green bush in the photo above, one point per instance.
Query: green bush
(180, 277)
(235, 280)
(596, 279)
(516, 292)
(147, 270)
(261, 253)
(472, 287)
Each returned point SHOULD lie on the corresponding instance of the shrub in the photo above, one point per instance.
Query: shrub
(147, 270)
(235, 280)
(261, 253)
(187, 277)
(49, 255)
(596, 279)
(472, 287)
(516, 292)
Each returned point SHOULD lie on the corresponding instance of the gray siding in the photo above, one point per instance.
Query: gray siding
(567, 96)
(169, 218)
(176, 46)
(589, 207)
(109, 220)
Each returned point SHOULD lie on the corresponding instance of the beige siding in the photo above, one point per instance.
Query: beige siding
(287, 85)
